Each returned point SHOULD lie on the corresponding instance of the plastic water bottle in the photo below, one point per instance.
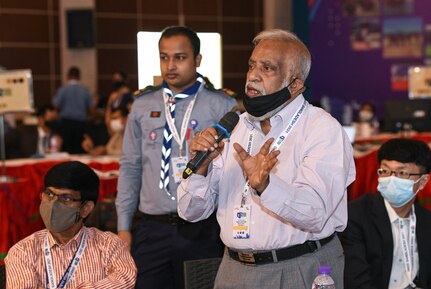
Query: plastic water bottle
(323, 280)
(53, 144)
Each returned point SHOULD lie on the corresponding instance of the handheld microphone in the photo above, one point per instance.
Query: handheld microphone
(223, 128)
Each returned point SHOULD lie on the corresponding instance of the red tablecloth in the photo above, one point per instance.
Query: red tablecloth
(19, 201)
(383, 137)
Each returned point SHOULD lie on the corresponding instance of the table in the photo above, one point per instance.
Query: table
(19, 201)
(383, 137)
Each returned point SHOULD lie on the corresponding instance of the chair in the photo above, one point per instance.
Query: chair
(2, 277)
(201, 273)
(104, 216)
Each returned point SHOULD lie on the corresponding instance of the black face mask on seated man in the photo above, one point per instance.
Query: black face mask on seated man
(259, 106)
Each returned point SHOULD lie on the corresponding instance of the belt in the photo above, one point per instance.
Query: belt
(259, 258)
(171, 218)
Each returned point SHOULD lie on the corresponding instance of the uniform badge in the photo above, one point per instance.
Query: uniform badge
(194, 123)
(155, 114)
(153, 135)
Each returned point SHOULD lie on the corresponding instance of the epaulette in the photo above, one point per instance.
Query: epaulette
(229, 92)
(146, 90)
(208, 85)
(236, 109)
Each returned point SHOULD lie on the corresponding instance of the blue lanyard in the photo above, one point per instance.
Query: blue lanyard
(407, 245)
(275, 145)
(70, 271)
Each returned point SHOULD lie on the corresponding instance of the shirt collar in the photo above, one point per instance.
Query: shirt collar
(392, 214)
(73, 81)
(287, 113)
(75, 240)
(283, 116)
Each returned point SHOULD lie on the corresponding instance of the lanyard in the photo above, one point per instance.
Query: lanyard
(407, 244)
(50, 273)
(275, 145)
(249, 148)
(171, 123)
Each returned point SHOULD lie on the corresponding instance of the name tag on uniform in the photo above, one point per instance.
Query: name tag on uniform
(241, 222)
(178, 166)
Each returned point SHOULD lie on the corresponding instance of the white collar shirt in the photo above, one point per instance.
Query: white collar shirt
(306, 198)
(399, 279)
(42, 138)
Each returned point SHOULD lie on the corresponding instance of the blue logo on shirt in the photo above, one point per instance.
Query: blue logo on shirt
(241, 215)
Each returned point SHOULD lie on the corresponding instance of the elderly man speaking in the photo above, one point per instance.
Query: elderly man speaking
(279, 186)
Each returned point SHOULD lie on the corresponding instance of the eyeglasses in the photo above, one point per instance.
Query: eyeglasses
(49, 195)
(399, 174)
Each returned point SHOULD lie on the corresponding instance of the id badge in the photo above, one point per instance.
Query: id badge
(241, 222)
(178, 166)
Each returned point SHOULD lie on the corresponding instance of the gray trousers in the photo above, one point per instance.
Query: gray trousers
(297, 273)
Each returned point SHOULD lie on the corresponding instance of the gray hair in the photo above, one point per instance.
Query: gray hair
(302, 61)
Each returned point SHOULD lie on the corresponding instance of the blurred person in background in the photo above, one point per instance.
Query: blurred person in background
(117, 124)
(35, 140)
(367, 123)
(120, 95)
(74, 103)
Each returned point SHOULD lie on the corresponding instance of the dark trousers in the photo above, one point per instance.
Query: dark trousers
(159, 250)
(72, 133)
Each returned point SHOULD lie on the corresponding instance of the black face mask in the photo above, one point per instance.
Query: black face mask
(117, 84)
(258, 106)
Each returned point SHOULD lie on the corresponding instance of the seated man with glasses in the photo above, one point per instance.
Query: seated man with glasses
(67, 254)
(387, 242)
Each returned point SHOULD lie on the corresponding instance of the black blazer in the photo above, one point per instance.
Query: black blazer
(368, 244)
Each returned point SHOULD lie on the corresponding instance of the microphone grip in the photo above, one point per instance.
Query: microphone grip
(198, 159)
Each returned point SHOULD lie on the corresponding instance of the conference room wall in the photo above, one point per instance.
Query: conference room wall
(237, 22)
(346, 74)
(30, 36)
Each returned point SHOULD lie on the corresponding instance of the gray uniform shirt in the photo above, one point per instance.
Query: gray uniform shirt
(142, 150)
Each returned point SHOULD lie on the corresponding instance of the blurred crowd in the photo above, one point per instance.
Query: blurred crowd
(74, 122)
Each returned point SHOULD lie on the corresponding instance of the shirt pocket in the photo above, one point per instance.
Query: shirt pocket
(152, 134)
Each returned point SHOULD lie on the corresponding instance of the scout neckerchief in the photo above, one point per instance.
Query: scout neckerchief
(170, 129)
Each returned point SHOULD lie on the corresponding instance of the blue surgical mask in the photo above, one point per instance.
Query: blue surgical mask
(396, 191)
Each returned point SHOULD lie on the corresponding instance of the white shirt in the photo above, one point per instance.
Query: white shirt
(42, 138)
(306, 198)
(399, 279)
